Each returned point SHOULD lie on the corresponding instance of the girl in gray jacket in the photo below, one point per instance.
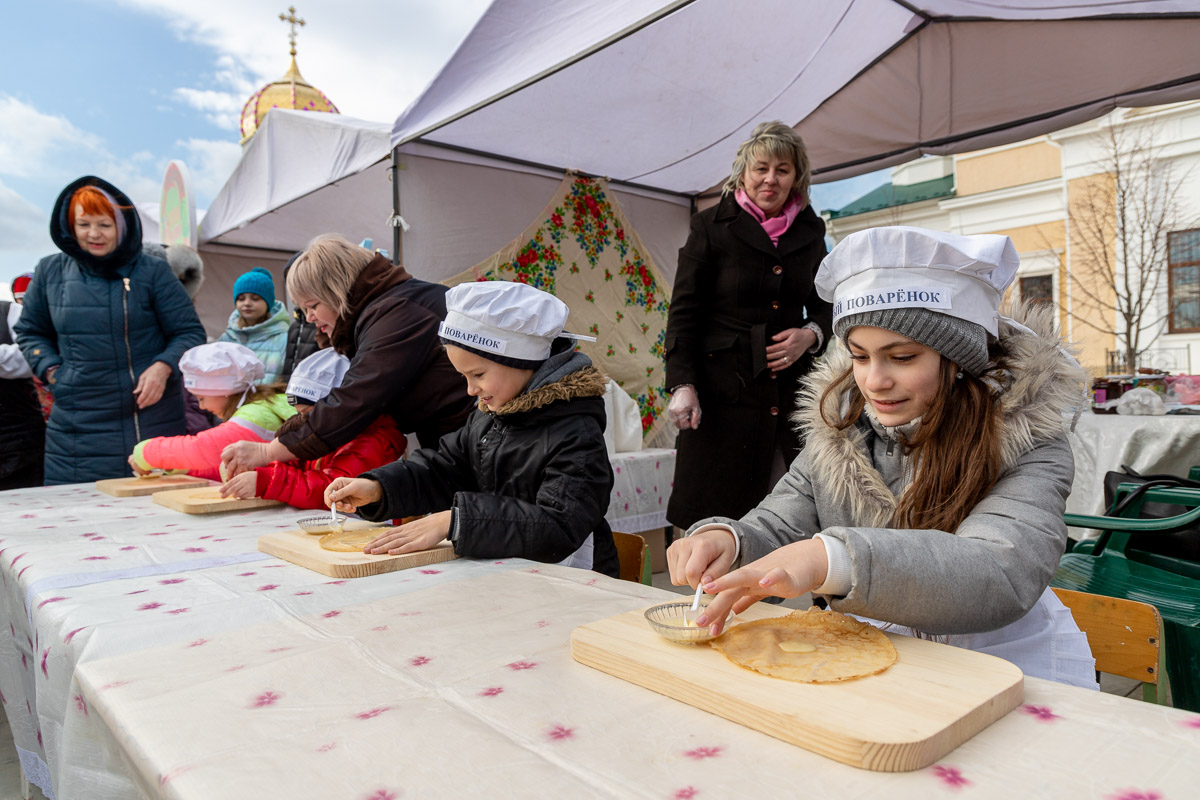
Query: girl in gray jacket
(930, 493)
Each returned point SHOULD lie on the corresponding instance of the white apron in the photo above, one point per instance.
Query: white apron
(1045, 643)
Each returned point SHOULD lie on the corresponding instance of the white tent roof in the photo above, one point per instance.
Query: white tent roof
(294, 154)
(661, 93)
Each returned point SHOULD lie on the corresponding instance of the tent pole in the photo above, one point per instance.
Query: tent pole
(395, 205)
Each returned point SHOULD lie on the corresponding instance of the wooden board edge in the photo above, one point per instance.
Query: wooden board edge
(903, 756)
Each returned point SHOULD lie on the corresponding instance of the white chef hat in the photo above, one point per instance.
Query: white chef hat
(940, 289)
(317, 376)
(220, 368)
(510, 323)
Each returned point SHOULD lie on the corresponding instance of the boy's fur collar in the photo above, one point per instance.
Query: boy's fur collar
(1045, 383)
(585, 382)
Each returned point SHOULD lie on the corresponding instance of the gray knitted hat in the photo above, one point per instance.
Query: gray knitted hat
(963, 342)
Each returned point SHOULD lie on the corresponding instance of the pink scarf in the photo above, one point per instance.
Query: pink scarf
(777, 225)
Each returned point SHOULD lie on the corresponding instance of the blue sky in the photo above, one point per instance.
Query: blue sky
(119, 88)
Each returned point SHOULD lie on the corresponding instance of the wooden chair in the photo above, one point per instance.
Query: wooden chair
(1124, 635)
(634, 556)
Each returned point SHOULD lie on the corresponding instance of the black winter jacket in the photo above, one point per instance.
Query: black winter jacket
(531, 480)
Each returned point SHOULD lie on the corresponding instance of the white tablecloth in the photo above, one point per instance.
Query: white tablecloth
(134, 662)
(641, 489)
(1103, 442)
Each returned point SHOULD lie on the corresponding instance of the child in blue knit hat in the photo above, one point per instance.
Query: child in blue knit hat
(259, 321)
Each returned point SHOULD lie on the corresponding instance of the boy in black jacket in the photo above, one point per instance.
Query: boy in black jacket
(528, 474)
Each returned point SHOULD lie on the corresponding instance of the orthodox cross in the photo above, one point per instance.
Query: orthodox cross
(292, 21)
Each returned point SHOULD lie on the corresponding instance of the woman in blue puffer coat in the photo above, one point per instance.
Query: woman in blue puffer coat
(103, 327)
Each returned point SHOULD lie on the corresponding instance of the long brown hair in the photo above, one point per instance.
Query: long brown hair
(955, 450)
(264, 391)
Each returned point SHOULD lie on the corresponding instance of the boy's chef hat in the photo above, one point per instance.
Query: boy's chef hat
(510, 323)
(317, 375)
(940, 289)
(220, 368)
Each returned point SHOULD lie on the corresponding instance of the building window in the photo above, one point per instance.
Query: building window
(1037, 289)
(1183, 254)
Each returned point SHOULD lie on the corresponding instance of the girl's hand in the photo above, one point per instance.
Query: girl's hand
(789, 571)
(240, 457)
(412, 537)
(350, 493)
(136, 469)
(699, 558)
(789, 346)
(243, 487)
(150, 385)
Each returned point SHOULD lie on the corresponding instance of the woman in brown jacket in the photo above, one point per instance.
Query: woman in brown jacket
(386, 322)
(744, 326)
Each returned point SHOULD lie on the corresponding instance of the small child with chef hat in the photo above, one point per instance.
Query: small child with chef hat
(528, 474)
(930, 492)
(224, 377)
(302, 483)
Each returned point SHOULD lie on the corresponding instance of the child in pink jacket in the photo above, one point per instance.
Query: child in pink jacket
(223, 376)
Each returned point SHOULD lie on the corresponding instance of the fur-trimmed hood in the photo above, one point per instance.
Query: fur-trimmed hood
(573, 378)
(1045, 384)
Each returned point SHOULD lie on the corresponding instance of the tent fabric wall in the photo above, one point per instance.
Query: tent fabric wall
(661, 93)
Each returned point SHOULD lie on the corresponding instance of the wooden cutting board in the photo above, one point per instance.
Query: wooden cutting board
(139, 487)
(207, 500)
(305, 550)
(934, 698)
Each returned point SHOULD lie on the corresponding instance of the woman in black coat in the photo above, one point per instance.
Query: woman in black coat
(744, 327)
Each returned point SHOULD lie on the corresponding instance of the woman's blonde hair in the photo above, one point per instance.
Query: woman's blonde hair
(326, 271)
(771, 140)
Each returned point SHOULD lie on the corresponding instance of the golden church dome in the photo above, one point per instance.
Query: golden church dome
(290, 91)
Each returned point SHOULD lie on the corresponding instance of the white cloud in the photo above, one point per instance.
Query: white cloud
(371, 57)
(210, 163)
(23, 226)
(33, 143)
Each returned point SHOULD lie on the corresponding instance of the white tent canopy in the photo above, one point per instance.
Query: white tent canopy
(306, 174)
(661, 93)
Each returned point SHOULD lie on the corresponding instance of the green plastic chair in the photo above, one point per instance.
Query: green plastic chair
(1172, 585)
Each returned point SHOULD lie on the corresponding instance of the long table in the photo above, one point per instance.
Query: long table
(153, 654)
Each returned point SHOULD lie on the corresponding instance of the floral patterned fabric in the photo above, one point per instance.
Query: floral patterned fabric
(582, 249)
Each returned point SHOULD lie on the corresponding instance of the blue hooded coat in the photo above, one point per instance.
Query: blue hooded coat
(103, 321)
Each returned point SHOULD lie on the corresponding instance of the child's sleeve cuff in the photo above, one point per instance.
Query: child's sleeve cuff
(837, 579)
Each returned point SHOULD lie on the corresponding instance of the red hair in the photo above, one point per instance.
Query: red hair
(93, 201)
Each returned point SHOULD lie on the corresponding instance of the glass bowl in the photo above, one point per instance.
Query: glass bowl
(668, 622)
(321, 524)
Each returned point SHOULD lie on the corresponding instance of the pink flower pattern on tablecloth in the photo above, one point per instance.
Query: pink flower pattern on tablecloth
(372, 713)
(686, 793)
(430, 571)
(380, 628)
(194, 550)
(701, 753)
(1040, 713)
(268, 698)
(542, 623)
(170, 775)
(560, 732)
(178, 610)
(331, 614)
(516, 666)
(71, 635)
(950, 776)
(235, 669)
(149, 606)
(381, 794)
(95, 558)
(169, 581)
(492, 691)
(45, 656)
(113, 685)
(246, 574)
(1136, 794)
(81, 704)
(267, 587)
(1191, 722)
(325, 748)
(50, 600)
(197, 642)
(418, 661)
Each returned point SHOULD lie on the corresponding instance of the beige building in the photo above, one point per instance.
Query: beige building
(1084, 260)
